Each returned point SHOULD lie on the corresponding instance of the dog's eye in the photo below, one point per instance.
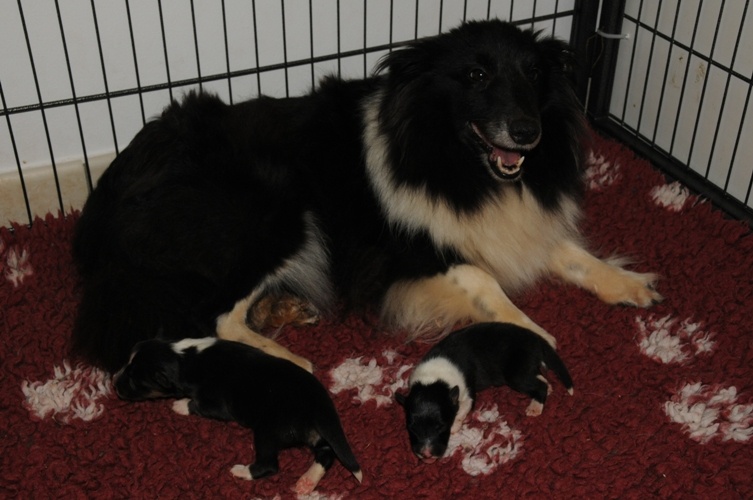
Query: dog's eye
(533, 73)
(478, 75)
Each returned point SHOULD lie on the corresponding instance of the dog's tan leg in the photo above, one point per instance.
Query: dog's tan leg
(275, 311)
(463, 293)
(232, 326)
(606, 279)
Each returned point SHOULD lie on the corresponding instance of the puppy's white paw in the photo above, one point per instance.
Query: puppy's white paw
(241, 471)
(534, 409)
(456, 426)
(307, 483)
(180, 406)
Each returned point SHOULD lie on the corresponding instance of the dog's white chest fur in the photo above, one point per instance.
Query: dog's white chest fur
(511, 237)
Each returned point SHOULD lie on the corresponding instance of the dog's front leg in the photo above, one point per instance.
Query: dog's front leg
(232, 326)
(606, 279)
(465, 292)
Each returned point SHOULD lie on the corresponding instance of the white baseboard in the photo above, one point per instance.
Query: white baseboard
(41, 191)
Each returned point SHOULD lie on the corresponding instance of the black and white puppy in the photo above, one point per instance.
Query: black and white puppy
(285, 405)
(443, 386)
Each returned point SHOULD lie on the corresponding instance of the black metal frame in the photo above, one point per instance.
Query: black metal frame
(200, 79)
(596, 57)
(603, 61)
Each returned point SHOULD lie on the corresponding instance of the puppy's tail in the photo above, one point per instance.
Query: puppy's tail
(332, 432)
(555, 363)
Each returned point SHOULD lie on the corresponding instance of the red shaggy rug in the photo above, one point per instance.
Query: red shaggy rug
(663, 402)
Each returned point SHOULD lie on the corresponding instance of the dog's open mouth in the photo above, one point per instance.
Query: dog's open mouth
(505, 163)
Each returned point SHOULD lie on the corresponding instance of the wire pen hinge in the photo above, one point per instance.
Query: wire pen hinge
(612, 36)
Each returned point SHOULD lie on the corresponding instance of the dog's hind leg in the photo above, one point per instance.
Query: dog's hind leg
(606, 279)
(324, 457)
(232, 326)
(277, 310)
(464, 293)
(535, 386)
(266, 463)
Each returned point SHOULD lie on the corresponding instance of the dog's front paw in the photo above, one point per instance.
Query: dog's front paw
(633, 289)
(180, 406)
(456, 426)
(534, 409)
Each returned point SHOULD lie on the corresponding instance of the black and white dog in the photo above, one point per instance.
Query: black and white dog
(429, 192)
(444, 384)
(284, 405)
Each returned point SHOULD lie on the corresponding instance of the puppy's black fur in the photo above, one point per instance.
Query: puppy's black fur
(283, 404)
(444, 384)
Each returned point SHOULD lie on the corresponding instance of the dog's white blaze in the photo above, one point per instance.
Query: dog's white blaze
(200, 344)
(511, 237)
(440, 370)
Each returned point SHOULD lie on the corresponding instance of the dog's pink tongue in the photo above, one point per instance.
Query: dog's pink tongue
(509, 158)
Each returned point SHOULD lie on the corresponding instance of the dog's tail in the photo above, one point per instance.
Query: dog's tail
(555, 363)
(332, 432)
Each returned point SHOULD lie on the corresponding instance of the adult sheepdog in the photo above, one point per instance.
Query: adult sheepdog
(430, 191)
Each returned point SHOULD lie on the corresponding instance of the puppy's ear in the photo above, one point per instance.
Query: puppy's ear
(166, 375)
(455, 395)
(400, 398)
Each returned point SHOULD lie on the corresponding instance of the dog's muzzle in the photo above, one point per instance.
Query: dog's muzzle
(506, 162)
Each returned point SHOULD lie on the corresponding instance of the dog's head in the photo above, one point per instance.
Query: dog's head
(430, 411)
(495, 81)
(152, 372)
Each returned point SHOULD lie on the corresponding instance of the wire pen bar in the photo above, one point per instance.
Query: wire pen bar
(682, 104)
(238, 63)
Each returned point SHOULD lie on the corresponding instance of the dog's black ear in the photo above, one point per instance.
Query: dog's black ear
(455, 395)
(400, 398)
(559, 56)
(408, 62)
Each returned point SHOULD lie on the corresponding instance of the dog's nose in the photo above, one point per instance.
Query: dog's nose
(426, 456)
(524, 131)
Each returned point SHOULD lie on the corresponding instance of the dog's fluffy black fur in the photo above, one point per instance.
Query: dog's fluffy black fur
(404, 191)
(284, 405)
(443, 386)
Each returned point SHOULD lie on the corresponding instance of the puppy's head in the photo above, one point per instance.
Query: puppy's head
(429, 412)
(152, 372)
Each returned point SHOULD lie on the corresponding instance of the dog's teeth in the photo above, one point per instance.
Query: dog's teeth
(499, 162)
(520, 161)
